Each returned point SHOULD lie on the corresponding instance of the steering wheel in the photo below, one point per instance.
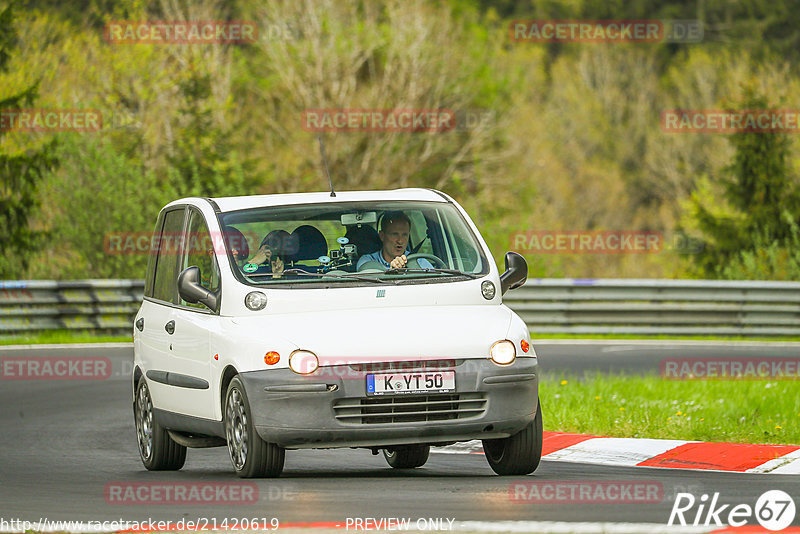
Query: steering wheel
(438, 263)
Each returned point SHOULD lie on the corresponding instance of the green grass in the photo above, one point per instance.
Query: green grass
(535, 335)
(63, 336)
(70, 336)
(741, 411)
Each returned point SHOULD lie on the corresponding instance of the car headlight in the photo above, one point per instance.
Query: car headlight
(503, 352)
(303, 362)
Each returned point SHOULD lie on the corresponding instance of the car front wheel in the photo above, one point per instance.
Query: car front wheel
(158, 451)
(251, 456)
(518, 454)
(408, 456)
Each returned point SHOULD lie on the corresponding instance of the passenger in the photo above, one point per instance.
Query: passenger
(394, 234)
(271, 253)
(236, 243)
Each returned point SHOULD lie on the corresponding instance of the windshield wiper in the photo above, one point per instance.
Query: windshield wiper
(434, 270)
(325, 275)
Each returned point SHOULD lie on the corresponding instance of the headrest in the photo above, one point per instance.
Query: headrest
(308, 243)
(365, 238)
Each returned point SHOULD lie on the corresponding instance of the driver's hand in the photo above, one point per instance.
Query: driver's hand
(277, 266)
(399, 262)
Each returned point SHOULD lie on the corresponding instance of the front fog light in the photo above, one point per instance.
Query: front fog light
(503, 352)
(255, 300)
(303, 362)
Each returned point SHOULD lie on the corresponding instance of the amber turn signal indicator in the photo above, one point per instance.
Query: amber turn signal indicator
(272, 357)
(525, 346)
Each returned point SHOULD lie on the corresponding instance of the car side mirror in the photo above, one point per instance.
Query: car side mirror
(191, 291)
(516, 272)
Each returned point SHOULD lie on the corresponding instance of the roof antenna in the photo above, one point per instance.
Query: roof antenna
(325, 161)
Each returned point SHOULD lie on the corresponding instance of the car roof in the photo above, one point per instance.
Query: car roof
(254, 201)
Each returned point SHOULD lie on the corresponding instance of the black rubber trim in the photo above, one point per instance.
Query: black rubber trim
(298, 388)
(196, 441)
(505, 379)
(214, 205)
(440, 194)
(181, 307)
(177, 380)
(189, 423)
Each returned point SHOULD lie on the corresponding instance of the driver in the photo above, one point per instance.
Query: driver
(394, 233)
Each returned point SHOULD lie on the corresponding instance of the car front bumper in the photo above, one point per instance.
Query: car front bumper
(330, 408)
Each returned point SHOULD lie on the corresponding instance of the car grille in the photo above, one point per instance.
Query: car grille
(409, 408)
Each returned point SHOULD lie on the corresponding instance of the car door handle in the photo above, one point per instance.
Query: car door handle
(170, 327)
(140, 324)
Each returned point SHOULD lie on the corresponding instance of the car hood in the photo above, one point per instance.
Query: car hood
(386, 334)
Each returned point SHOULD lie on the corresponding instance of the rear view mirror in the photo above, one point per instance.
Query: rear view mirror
(359, 217)
(516, 272)
(191, 291)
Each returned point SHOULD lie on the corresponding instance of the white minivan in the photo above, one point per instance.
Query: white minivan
(366, 319)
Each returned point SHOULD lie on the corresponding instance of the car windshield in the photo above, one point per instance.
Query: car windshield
(353, 242)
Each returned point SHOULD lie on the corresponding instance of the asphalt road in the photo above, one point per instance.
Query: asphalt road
(645, 357)
(64, 443)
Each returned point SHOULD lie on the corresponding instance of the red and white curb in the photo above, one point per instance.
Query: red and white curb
(667, 453)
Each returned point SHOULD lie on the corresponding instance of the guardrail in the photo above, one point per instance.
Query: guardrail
(670, 307)
(36, 305)
(547, 305)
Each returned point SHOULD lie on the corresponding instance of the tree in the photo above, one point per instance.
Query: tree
(20, 172)
(203, 160)
(759, 209)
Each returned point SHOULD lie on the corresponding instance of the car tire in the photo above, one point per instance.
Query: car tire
(518, 454)
(251, 456)
(407, 456)
(158, 451)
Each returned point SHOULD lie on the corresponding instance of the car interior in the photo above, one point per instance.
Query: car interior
(333, 241)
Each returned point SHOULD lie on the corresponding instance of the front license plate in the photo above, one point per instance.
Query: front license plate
(422, 382)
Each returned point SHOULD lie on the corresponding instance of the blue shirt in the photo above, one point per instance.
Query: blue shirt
(378, 256)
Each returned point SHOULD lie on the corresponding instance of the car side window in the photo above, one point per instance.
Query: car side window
(153, 256)
(419, 232)
(165, 284)
(199, 252)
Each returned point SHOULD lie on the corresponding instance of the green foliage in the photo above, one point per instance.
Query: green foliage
(203, 161)
(738, 411)
(752, 229)
(99, 199)
(20, 172)
(572, 141)
(769, 259)
(763, 26)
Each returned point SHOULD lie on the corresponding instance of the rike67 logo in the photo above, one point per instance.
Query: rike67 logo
(774, 510)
